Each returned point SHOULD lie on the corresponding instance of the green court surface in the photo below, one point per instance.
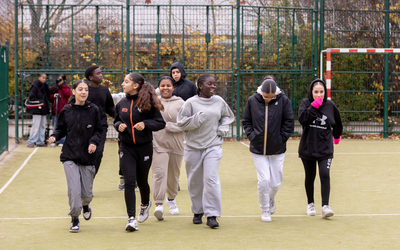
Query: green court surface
(365, 184)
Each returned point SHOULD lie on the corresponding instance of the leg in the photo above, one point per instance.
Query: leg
(262, 164)
(324, 167)
(276, 173)
(42, 130)
(159, 168)
(194, 172)
(212, 185)
(144, 160)
(100, 149)
(34, 132)
(310, 172)
(74, 188)
(174, 171)
(128, 166)
(87, 175)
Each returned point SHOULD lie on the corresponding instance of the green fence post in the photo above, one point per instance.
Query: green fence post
(277, 61)
(128, 36)
(386, 83)
(47, 37)
(183, 35)
(16, 111)
(238, 70)
(133, 39)
(316, 54)
(72, 38)
(97, 35)
(294, 41)
(321, 26)
(158, 39)
(259, 41)
(207, 38)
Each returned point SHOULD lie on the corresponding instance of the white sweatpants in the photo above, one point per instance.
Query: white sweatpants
(270, 174)
(203, 181)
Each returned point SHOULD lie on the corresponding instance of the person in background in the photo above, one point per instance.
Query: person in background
(268, 122)
(167, 151)
(80, 122)
(205, 118)
(322, 127)
(136, 116)
(183, 88)
(60, 93)
(39, 92)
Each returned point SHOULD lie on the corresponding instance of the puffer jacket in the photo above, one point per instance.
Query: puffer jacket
(40, 91)
(183, 88)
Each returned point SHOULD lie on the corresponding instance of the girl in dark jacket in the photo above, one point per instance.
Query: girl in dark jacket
(322, 127)
(182, 87)
(80, 121)
(39, 91)
(136, 116)
(268, 123)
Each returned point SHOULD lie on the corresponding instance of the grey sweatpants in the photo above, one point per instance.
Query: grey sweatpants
(80, 185)
(203, 180)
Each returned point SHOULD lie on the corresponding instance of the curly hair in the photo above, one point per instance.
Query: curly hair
(147, 96)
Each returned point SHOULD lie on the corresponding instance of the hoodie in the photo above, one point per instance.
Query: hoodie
(268, 126)
(170, 139)
(183, 88)
(320, 125)
(40, 91)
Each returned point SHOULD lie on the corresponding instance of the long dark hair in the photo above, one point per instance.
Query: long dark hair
(201, 80)
(147, 96)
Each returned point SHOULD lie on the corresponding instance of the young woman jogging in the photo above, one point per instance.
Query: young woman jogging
(136, 116)
(322, 127)
(168, 151)
(205, 118)
(80, 121)
(268, 123)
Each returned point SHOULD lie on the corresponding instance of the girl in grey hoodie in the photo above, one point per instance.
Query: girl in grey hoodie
(205, 118)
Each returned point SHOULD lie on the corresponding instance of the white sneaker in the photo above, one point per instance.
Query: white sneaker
(53, 145)
(326, 211)
(144, 213)
(159, 212)
(60, 145)
(132, 225)
(265, 216)
(272, 206)
(173, 208)
(311, 209)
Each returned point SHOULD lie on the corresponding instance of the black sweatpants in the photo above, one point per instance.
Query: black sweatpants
(100, 150)
(135, 162)
(311, 170)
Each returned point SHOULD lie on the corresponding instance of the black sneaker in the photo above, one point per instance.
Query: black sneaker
(212, 222)
(197, 219)
(74, 225)
(87, 212)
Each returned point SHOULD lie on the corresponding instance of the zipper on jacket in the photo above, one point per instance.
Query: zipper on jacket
(265, 129)
(133, 130)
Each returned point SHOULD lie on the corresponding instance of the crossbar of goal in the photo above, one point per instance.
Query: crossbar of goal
(345, 50)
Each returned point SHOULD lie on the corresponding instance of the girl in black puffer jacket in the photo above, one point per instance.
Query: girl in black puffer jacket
(268, 123)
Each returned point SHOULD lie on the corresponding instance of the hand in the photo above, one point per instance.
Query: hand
(107, 83)
(92, 148)
(122, 127)
(336, 141)
(139, 126)
(52, 139)
(317, 102)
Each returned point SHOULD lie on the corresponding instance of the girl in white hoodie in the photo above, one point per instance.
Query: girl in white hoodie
(168, 150)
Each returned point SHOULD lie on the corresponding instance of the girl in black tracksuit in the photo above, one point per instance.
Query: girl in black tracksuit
(322, 127)
(136, 116)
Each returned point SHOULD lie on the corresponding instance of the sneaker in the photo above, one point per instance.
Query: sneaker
(60, 144)
(265, 216)
(132, 225)
(87, 212)
(197, 218)
(212, 222)
(53, 145)
(272, 206)
(31, 146)
(326, 211)
(159, 212)
(311, 209)
(121, 185)
(144, 213)
(74, 225)
(173, 208)
(43, 145)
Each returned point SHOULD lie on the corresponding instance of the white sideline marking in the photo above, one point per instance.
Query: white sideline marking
(17, 172)
(224, 216)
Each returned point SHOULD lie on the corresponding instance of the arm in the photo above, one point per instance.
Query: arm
(247, 121)
(66, 91)
(117, 119)
(287, 127)
(307, 114)
(98, 129)
(186, 120)
(226, 119)
(61, 128)
(338, 128)
(110, 109)
(156, 122)
(173, 127)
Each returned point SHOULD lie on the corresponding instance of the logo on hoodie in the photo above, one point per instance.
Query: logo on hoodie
(322, 122)
(124, 110)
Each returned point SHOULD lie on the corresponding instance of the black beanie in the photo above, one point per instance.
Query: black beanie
(268, 86)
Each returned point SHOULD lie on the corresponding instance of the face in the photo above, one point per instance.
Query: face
(176, 74)
(318, 91)
(43, 78)
(166, 88)
(129, 86)
(61, 82)
(207, 88)
(96, 77)
(268, 97)
(81, 92)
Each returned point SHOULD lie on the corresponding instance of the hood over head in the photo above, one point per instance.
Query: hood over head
(178, 65)
(310, 96)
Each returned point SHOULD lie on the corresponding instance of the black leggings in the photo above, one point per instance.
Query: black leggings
(311, 171)
(135, 162)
